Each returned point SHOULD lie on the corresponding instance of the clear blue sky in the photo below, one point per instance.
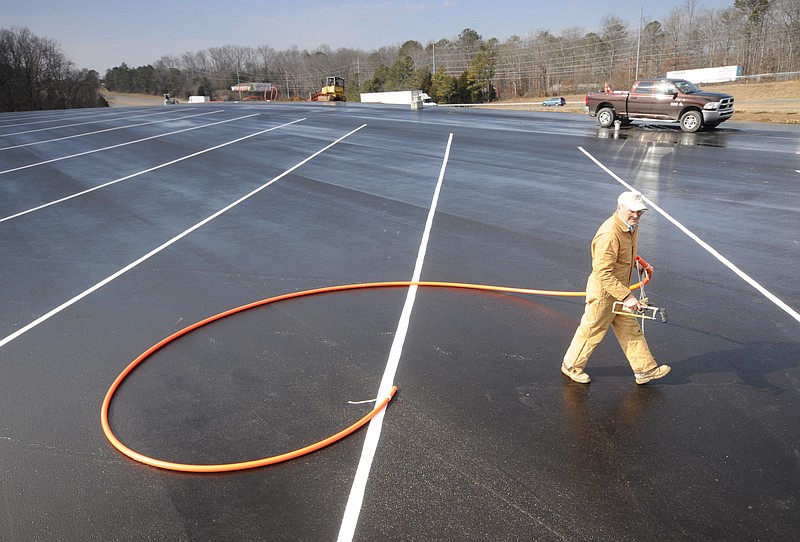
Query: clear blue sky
(102, 35)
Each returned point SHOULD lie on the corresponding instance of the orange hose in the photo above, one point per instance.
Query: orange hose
(227, 467)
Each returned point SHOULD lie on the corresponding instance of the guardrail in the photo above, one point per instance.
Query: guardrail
(761, 77)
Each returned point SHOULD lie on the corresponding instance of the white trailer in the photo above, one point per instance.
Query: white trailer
(719, 74)
(398, 97)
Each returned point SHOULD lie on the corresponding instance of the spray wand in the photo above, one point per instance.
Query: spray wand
(645, 311)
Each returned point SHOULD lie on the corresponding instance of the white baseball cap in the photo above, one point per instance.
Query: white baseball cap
(632, 201)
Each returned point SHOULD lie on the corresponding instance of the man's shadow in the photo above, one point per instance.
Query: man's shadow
(751, 362)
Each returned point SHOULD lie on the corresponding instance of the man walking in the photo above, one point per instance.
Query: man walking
(613, 260)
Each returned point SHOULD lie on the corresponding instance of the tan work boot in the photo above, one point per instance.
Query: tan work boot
(652, 374)
(576, 374)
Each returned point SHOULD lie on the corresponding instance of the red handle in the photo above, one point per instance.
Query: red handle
(646, 266)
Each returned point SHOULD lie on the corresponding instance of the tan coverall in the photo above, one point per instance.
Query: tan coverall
(613, 260)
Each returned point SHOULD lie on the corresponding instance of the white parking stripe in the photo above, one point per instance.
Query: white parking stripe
(109, 183)
(93, 121)
(356, 498)
(84, 134)
(711, 250)
(120, 145)
(56, 118)
(169, 243)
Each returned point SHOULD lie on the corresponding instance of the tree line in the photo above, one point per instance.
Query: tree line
(35, 75)
(762, 36)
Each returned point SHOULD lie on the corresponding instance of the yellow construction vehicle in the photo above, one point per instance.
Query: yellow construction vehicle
(333, 91)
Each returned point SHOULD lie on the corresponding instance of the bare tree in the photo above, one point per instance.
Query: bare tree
(35, 74)
(753, 25)
(615, 41)
(761, 35)
(264, 59)
(787, 24)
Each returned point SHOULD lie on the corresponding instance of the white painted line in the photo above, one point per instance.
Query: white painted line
(54, 118)
(109, 183)
(169, 243)
(711, 250)
(94, 121)
(356, 498)
(103, 131)
(122, 144)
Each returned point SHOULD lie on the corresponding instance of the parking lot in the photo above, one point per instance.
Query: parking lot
(121, 227)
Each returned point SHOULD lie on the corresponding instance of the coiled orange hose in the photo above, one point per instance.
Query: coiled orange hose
(381, 404)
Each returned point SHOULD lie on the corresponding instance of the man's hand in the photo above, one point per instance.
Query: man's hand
(631, 303)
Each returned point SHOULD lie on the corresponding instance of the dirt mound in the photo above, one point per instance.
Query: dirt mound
(123, 99)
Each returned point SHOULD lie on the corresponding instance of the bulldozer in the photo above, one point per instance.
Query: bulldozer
(333, 91)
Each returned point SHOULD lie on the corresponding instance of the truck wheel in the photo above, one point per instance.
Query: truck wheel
(605, 117)
(691, 121)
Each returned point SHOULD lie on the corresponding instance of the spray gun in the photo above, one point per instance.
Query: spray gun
(645, 311)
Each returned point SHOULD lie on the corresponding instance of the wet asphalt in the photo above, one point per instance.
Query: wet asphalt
(122, 226)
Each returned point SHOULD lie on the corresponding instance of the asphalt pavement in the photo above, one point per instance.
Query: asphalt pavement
(121, 227)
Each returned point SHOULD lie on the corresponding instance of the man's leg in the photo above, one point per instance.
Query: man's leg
(594, 324)
(634, 345)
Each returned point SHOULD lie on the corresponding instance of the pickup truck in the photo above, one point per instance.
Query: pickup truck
(673, 101)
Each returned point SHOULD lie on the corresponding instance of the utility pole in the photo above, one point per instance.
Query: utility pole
(639, 42)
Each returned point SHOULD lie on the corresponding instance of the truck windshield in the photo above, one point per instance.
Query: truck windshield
(687, 87)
